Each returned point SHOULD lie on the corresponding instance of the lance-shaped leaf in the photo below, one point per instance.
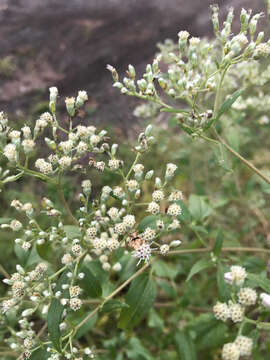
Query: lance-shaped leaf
(228, 103)
(140, 297)
(90, 283)
(185, 346)
(262, 282)
(173, 110)
(55, 313)
(199, 266)
(218, 243)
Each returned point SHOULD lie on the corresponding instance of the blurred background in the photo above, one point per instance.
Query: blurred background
(67, 43)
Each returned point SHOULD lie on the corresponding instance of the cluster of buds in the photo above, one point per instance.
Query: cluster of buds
(192, 70)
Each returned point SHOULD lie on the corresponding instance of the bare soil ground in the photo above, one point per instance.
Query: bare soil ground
(68, 43)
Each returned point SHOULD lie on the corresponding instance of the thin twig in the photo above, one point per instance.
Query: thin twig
(115, 292)
(235, 153)
(4, 272)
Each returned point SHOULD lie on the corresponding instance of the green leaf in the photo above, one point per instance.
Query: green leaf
(202, 324)
(213, 338)
(90, 283)
(172, 110)
(4, 220)
(86, 327)
(199, 229)
(185, 215)
(162, 269)
(148, 221)
(187, 129)
(218, 243)
(55, 313)
(199, 266)
(21, 254)
(199, 208)
(112, 305)
(223, 289)
(253, 264)
(140, 297)
(233, 137)
(185, 346)
(155, 321)
(137, 351)
(40, 354)
(260, 281)
(228, 103)
(72, 231)
(45, 251)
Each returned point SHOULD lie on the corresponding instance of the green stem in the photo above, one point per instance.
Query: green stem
(115, 292)
(57, 273)
(4, 272)
(132, 166)
(62, 197)
(225, 249)
(36, 174)
(246, 162)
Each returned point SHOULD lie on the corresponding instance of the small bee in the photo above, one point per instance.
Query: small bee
(135, 241)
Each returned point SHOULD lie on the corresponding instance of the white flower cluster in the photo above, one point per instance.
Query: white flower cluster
(235, 310)
(242, 346)
(105, 222)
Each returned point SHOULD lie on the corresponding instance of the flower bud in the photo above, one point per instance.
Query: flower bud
(131, 71)
(114, 149)
(70, 105)
(149, 175)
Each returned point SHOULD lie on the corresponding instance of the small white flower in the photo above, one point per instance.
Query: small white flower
(174, 210)
(164, 249)
(237, 312)
(236, 276)
(132, 185)
(221, 311)
(117, 267)
(244, 344)
(158, 195)
(129, 221)
(247, 296)
(153, 208)
(265, 299)
(230, 351)
(106, 266)
(75, 303)
(170, 170)
(143, 252)
(66, 259)
(148, 234)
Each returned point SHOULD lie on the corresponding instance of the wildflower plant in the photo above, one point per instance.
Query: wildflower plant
(101, 227)
(74, 266)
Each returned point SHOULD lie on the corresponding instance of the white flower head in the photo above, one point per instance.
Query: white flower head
(236, 276)
(265, 299)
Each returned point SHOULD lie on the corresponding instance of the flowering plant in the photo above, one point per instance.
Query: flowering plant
(76, 257)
